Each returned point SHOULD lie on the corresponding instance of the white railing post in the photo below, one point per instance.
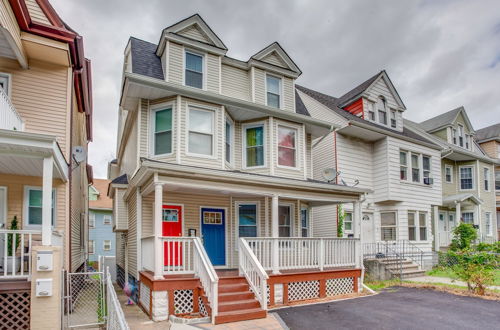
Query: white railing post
(357, 253)
(158, 213)
(275, 233)
(321, 254)
(47, 201)
(253, 271)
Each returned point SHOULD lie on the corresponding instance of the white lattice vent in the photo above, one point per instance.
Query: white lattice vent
(203, 310)
(303, 290)
(183, 301)
(145, 296)
(338, 286)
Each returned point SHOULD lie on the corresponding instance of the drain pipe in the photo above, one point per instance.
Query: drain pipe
(332, 129)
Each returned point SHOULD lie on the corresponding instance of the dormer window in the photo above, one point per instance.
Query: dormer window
(194, 70)
(454, 135)
(460, 135)
(273, 88)
(467, 141)
(393, 119)
(371, 112)
(382, 111)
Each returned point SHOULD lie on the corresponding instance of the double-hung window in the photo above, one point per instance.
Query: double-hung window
(201, 132)
(403, 165)
(106, 219)
(194, 70)
(254, 146)
(388, 226)
(162, 131)
(106, 245)
(33, 200)
(348, 222)
(284, 220)
(382, 110)
(489, 228)
(92, 220)
(422, 222)
(91, 247)
(448, 173)
(371, 111)
(247, 220)
(426, 166)
(467, 141)
(393, 119)
(486, 179)
(287, 146)
(412, 234)
(229, 141)
(466, 179)
(304, 221)
(273, 88)
(454, 135)
(468, 217)
(461, 135)
(415, 168)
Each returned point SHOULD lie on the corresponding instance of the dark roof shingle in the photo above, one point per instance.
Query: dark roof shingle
(144, 59)
(357, 90)
(440, 120)
(122, 179)
(300, 107)
(488, 133)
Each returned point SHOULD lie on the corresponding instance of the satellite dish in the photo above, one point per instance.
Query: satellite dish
(79, 154)
(329, 174)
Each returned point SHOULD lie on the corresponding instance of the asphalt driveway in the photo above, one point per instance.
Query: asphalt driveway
(398, 308)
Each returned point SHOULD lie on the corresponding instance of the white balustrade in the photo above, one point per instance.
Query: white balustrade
(253, 271)
(15, 253)
(148, 253)
(9, 117)
(208, 277)
(306, 253)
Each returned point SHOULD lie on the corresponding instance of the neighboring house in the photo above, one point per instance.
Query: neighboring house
(467, 177)
(101, 236)
(214, 169)
(489, 140)
(374, 148)
(45, 126)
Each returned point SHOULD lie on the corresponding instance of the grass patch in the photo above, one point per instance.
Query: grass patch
(447, 272)
(380, 285)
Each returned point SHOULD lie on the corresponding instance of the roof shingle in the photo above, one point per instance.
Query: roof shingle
(144, 59)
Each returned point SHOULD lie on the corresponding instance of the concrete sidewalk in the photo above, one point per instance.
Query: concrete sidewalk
(271, 322)
(445, 280)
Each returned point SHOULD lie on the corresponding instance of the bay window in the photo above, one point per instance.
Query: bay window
(486, 178)
(448, 173)
(254, 146)
(415, 168)
(193, 73)
(466, 179)
(467, 140)
(273, 88)
(162, 131)
(403, 168)
(247, 220)
(287, 146)
(201, 132)
(388, 226)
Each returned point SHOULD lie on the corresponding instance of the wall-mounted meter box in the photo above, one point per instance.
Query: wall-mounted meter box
(44, 287)
(44, 261)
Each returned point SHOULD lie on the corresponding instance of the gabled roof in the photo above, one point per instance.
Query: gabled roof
(488, 133)
(144, 59)
(300, 107)
(103, 201)
(122, 179)
(278, 53)
(450, 200)
(332, 102)
(445, 119)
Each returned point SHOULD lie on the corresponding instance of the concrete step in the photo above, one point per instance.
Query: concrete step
(240, 315)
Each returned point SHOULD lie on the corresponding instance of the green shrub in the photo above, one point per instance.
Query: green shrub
(463, 236)
(489, 247)
(14, 225)
(475, 268)
(340, 222)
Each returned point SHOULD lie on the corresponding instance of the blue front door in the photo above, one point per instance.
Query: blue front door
(213, 229)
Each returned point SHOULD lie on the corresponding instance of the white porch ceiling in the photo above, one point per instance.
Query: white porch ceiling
(23, 165)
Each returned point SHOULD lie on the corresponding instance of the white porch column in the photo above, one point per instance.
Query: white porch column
(356, 218)
(275, 233)
(435, 215)
(458, 215)
(48, 165)
(158, 206)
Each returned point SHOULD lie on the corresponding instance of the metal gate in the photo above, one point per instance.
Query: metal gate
(84, 300)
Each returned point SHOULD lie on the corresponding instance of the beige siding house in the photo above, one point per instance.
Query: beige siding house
(214, 180)
(45, 120)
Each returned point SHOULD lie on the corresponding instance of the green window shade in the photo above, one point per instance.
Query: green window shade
(163, 132)
(255, 146)
(35, 207)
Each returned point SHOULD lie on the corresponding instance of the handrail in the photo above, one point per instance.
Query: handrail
(10, 118)
(203, 268)
(253, 272)
(17, 231)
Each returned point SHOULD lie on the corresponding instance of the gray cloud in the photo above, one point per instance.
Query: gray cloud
(439, 54)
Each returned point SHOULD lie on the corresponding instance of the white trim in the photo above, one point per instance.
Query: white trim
(451, 167)
(26, 224)
(272, 138)
(351, 231)
(306, 208)
(252, 78)
(91, 219)
(237, 218)
(107, 216)
(228, 119)
(203, 56)
(490, 231)
(92, 243)
(104, 245)
(214, 114)
(167, 60)
(153, 109)
(244, 128)
(487, 178)
(5, 211)
(459, 181)
(281, 101)
(296, 149)
(292, 206)
(220, 74)
(8, 76)
(396, 224)
(226, 231)
(178, 114)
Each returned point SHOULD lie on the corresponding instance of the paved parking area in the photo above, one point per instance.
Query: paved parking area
(398, 308)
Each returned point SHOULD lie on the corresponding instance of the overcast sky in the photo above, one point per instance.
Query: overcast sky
(439, 54)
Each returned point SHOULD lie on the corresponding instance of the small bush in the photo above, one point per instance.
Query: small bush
(475, 268)
(463, 236)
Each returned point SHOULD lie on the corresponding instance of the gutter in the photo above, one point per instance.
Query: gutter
(332, 129)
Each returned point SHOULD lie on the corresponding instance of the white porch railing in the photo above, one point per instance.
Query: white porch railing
(253, 272)
(9, 117)
(305, 253)
(15, 253)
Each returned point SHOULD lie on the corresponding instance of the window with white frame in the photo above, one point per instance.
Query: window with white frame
(393, 119)
(285, 220)
(489, 228)
(162, 131)
(467, 141)
(106, 245)
(348, 222)
(388, 226)
(454, 135)
(403, 165)
(254, 146)
(92, 219)
(247, 220)
(415, 168)
(304, 221)
(91, 247)
(106, 219)
(5, 83)
(229, 141)
(33, 206)
(201, 132)
(468, 217)
(466, 178)
(422, 226)
(287, 146)
(448, 173)
(382, 110)
(497, 180)
(486, 174)
(426, 166)
(193, 74)
(273, 88)
(412, 228)
(371, 111)
(460, 135)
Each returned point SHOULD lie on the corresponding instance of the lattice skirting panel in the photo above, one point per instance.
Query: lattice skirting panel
(303, 290)
(339, 286)
(183, 301)
(145, 296)
(15, 310)
(203, 310)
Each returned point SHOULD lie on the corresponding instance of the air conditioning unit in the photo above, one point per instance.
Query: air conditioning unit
(428, 181)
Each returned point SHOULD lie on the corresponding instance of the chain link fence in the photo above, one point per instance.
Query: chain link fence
(85, 304)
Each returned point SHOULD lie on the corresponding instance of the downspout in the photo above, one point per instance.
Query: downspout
(70, 179)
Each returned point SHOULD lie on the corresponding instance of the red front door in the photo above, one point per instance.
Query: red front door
(172, 226)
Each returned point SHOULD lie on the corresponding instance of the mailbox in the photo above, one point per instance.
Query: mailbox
(44, 287)
(44, 261)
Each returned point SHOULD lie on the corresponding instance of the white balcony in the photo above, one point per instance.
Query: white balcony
(9, 117)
